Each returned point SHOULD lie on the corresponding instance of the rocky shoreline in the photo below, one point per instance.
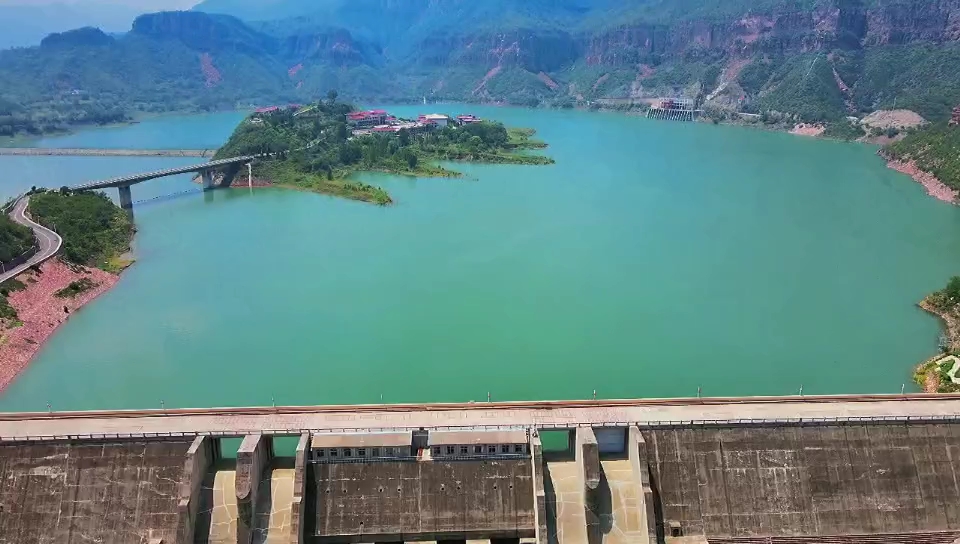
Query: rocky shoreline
(41, 312)
(808, 129)
(934, 186)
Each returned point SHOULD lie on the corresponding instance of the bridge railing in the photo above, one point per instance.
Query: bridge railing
(146, 176)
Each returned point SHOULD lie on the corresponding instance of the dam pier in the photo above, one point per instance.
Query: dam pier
(774, 470)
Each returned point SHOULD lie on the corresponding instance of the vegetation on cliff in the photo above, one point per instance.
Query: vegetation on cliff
(94, 230)
(817, 59)
(948, 298)
(935, 149)
(15, 239)
(934, 374)
(8, 314)
(317, 151)
(76, 288)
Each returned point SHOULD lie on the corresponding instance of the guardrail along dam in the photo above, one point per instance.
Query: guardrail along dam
(864, 469)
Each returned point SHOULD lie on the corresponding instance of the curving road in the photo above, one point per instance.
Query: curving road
(48, 240)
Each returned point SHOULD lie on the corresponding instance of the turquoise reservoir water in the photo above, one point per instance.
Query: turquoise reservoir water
(653, 258)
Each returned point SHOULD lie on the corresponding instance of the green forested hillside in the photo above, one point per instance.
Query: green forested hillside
(86, 77)
(317, 151)
(812, 60)
(935, 149)
(95, 230)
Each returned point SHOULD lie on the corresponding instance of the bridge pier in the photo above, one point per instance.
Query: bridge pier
(126, 197)
(230, 174)
(207, 177)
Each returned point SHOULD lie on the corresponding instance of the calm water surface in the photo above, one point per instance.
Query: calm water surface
(653, 258)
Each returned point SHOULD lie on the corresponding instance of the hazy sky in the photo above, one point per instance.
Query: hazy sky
(145, 5)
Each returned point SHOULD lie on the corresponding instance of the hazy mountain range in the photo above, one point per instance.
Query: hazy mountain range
(24, 23)
(819, 59)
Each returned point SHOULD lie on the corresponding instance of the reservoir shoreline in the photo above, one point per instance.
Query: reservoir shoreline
(40, 312)
(935, 188)
(401, 291)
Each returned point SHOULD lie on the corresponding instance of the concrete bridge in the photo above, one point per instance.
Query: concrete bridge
(229, 168)
(790, 470)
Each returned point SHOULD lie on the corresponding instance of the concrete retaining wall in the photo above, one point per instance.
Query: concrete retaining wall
(299, 491)
(111, 492)
(254, 455)
(203, 452)
(637, 454)
(539, 495)
(394, 501)
(588, 457)
(825, 479)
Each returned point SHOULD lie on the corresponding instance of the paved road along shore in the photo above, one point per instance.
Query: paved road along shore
(293, 420)
(48, 240)
(90, 152)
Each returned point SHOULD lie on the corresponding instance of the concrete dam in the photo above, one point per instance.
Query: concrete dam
(864, 469)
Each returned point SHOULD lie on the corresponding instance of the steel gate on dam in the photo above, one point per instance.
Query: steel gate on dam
(840, 472)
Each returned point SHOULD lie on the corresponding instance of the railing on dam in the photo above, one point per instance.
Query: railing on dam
(644, 425)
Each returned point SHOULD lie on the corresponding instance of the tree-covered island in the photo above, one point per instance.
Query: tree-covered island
(318, 147)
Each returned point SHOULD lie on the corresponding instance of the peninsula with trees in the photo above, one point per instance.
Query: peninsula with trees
(96, 234)
(318, 147)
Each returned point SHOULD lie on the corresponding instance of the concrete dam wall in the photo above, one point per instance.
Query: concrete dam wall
(65, 493)
(837, 481)
(806, 480)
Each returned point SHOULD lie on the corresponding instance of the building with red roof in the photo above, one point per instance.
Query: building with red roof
(367, 119)
(467, 119)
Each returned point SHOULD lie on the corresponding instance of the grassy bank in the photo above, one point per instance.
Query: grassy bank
(522, 138)
(286, 174)
(931, 375)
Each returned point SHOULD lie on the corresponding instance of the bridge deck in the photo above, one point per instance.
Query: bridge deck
(140, 178)
(292, 420)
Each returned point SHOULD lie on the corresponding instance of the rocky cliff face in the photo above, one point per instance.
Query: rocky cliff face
(533, 51)
(205, 33)
(839, 24)
(334, 46)
(842, 24)
(839, 56)
(81, 37)
(915, 20)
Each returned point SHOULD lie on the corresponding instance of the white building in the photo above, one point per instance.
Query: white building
(335, 447)
(437, 118)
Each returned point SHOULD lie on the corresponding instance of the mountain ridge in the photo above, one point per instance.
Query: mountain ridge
(816, 60)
